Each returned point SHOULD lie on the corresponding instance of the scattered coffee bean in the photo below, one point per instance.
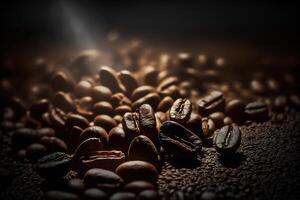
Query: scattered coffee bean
(103, 108)
(141, 92)
(181, 110)
(151, 99)
(39, 108)
(23, 137)
(64, 102)
(117, 139)
(236, 110)
(101, 93)
(108, 78)
(119, 99)
(83, 88)
(54, 144)
(257, 111)
(94, 194)
(76, 186)
(280, 103)
(127, 79)
(214, 102)
(194, 124)
(62, 82)
(76, 120)
(218, 119)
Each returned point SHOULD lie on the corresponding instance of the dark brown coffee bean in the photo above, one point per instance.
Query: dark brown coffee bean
(142, 148)
(105, 122)
(101, 93)
(117, 139)
(46, 132)
(89, 145)
(119, 99)
(194, 124)
(23, 137)
(94, 132)
(184, 60)
(54, 144)
(179, 142)
(84, 107)
(181, 110)
(76, 120)
(295, 101)
(273, 85)
(151, 98)
(149, 194)
(278, 118)
(118, 118)
(62, 82)
(18, 107)
(208, 128)
(137, 170)
(108, 160)
(76, 186)
(227, 139)
(165, 104)
(214, 102)
(161, 116)
(121, 110)
(128, 80)
(123, 196)
(103, 108)
(108, 78)
(35, 151)
(131, 125)
(39, 108)
(164, 84)
(218, 119)
(32, 123)
(141, 92)
(73, 140)
(57, 119)
(64, 102)
(172, 91)
(280, 103)
(83, 88)
(94, 194)
(227, 121)
(258, 87)
(53, 166)
(150, 76)
(59, 195)
(257, 111)
(138, 186)
(103, 179)
(236, 110)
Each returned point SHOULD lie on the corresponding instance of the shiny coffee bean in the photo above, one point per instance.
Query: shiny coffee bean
(59, 195)
(121, 110)
(227, 139)
(257, 111)
(172, 91)
(179, 142)
(53, 166)
(128, 80)
(57, 119)
(236, 110)
(94, 194)
(208, 128)
(227, 121)
(181, 110)
(141, 92)
(23, 137)
(64, 102)
(218, 119)
(130, 125)
(39, 108)
(138, 186)
(149, 194)
(89, 145)
(258, 87)
(73, 140)
(46, 132)
(150, 76)
(117, 139)
(76, 186)
(103, 179)
(101, 93)
(123, 196)
(165, 104)
(103, 108)
(62, 82)
(137, 170)
(76, 120)
(167, 82)
(214, 102)
(83, 88)
(54, 144)
(119, 99)
(35, 151)
(151, 99)
(108, 78)
(161, 116)
(105, 121)
(118, 118)
(194, 124)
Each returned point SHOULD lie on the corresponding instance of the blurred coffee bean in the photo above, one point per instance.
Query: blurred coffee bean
(103, 108)
(178, 195)
(18, 107)
(184, 60)
(137, 170)
(141, 92)
(105, 122)
(121, 110)
(46, 132)
(167, 82)
(258, 87)
(94, 132)
(119, 99)
(57, 119)
(101, 93)
(53, 166)
(218, 119)
(128, 80)
(38, 108)
(118, 118)
(59, 195)
(149, 195)
(123, 196)
(194, 124)
(35, 151)
(161, 116)
(150, 76)
(84, 107)
(236, 110)
(295, 100)
(103, 179)
(172, 91)
(138, 186)
(208, 128)
(181, 110)
(94, 194)
(83, 88)
(108, 78)
(76, 120)
(89, 145)
(62, 82)
(32, 123)
(273, 85)
(208, 195)
(279, 103)
(54, 144)
(151, 99)
(76, 186)
(278, 118)
(257, 111)
(228, 121)
(214, 102)
(227, 139)
(23, 137)
(64, 102)
(73, 140)
(165, 104)
(117, 139)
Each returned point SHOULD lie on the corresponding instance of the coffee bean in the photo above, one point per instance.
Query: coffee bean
(151, 98)
(54, 166)
(117, 139)
(194, 124)
(76, 186)
(121, 110)
(108, 78)
(103, 108)
(73, 140)
(89, 145)
(59, 195)
(105, 121)
(236, 110)
(130, 125)
(103, 179)
(257, 111)
(181, 110)
(150, 76)
(295, 100)
(46, 132)
(119, 99)
(280, 103)
(179, 142)
(184, 60)
(84, 107)
(167, 82)
(54, 144)
(64, 102)
(18, 107)
(149, 195)
(227, 121)
(35, 151)
(39, 108)
(227, 139)
(23, 137)
(137, 170)
(278, 118)
(94, 194)
(101, 93)
(138, 186)
(172, 91)
(123, 196)
(258, 87)
(118, 118)
(57, 119)
(141, 92)
(142, 148)
(165, 104)
(83, 88)
(218, 119)
(214, 102)
(161, 116)
(273, 85)
(208, 195)
(128, 80)
(76, 120)
(62, 82)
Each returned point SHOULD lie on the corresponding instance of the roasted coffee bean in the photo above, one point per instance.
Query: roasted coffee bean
(101, 93)
(161, 116)
(142, 148)
(131, 125)
(46, 132)
(257, 111)
(59, 195)
(94, 132)
(39, 108)
(35, 151)
(64, 102)
(141, 92)
(32, 123)
(165, 104)
(18, 107)
(123, 196)
(108, 160)
(62, 82)
(194, 124)
(108, 78)
(149, 194)
(23, 137)
(138, 186)
(137, 170)
(258, 87)
(236, 110)
(151, 98)
(84, 107)
(273, 85)
(94, 194)
(118, 118)
(218, 119)
(103, 179)
(150, 76)
(172, 91)
(76, 120)
(53, 166)
(278, 118)
(209, 195)
(105, 121)
(295, 100)
(83, 88)
(121, 110)
(117, 139)
(164, 84)
(227, 139)
(179, 142)
(57, 119)
(54, 144)
(103, 108)
(227, 121)
(280, 103)
(73, 140)
(214, 102)
(89, 145)
(119, 99)
(76, 186)
(128, 80)
(181, 110)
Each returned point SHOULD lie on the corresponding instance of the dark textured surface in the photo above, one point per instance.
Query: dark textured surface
(266, 167)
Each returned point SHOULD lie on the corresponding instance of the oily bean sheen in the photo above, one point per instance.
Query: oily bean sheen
(179, 142)
(89, 145)
(94, 132)
(215, 101)
(181, 110)
(62, 82)
(218, 119)
(119, 99)
(128, 80)
(103, 108)
(64, 102)
(137, 170)
(257, 111)
(151, 98)
(55, 165)
(227, 139)
(105, 121)
(76, 120)
(108, 78)
(130, 125)
(117, 139)
(54, 144)
(236, 110)
(101, 93)
(165, 104)
(141, 91)
(103, 179)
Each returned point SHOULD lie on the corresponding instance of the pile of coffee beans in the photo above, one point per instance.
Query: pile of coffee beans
(107, 135)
